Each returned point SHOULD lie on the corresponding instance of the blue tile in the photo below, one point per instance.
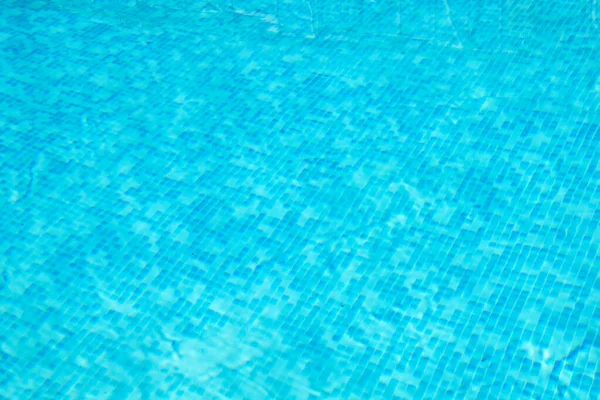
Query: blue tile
(316, 200)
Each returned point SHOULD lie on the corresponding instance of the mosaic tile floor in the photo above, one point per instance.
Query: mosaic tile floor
(222, 201)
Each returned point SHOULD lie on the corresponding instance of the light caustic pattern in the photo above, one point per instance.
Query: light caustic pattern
(199, 206)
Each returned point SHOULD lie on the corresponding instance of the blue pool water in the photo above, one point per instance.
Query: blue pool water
(299, 200)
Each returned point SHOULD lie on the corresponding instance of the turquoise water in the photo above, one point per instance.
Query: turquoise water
(299, 200)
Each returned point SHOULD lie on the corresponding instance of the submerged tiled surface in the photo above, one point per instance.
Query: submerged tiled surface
(200, 208)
